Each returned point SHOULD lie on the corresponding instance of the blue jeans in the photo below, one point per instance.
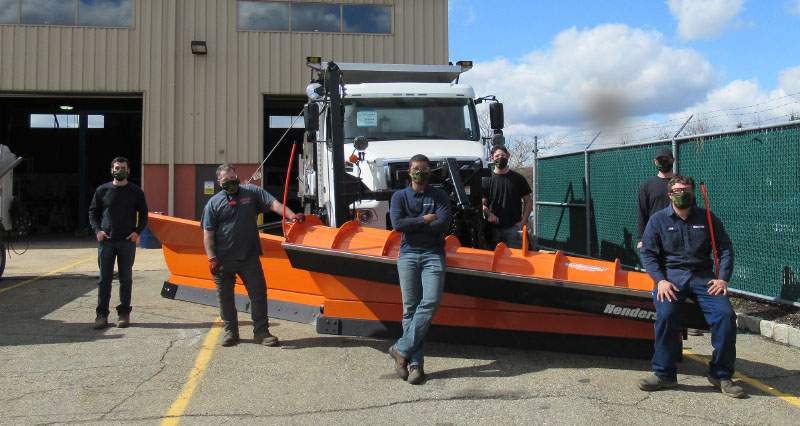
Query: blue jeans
(512, 236)
(124, 252)
(422, 284)
(719, 315)
(252, 275)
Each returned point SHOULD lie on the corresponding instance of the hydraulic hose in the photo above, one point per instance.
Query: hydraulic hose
(286, 186)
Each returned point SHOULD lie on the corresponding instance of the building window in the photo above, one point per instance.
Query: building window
(367, 19)
(65, 121)
(314, 17)
(286, 121)
(263, 15)
(87, 13)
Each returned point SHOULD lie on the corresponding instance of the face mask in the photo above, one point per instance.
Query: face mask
(683, 201)
(502, 162)
(119, 175)
(420, 177)
(230, 185)
(664, 165)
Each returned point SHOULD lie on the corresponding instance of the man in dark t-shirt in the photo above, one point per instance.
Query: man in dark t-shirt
(117, 215)
(503, 197)
(230, 237)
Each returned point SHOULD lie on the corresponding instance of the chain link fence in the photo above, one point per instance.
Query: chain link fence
(752, 177)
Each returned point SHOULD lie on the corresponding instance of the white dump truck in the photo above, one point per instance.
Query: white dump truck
(365, 121)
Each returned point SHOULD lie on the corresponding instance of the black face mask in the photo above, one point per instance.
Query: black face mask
(501, 163)
(664, 166)
(230, 185)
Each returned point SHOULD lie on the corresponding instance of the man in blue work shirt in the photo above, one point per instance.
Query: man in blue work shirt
(676, 249)
(422, 214)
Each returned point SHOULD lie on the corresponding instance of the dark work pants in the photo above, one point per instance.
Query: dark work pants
(124, 252)
(252, 275)
(719, 315)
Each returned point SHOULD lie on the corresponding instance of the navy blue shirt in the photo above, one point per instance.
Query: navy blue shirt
(234, 220)
(674, 249)
(407, 208)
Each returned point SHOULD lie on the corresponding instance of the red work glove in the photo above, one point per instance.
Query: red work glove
(299, 218)
(214, 265)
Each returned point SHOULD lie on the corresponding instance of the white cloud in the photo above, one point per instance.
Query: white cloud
(795, 9)
(611, 64)
(703, 19)
(745, 103)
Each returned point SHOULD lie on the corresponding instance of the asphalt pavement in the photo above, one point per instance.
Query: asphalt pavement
(57, 370)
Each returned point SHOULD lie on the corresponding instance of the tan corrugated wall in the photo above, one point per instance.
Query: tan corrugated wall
(196, 105)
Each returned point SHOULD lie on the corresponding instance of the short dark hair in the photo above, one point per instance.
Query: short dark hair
(498, 147)
(225, 167)
(419, 158)
(120, 160)
(686, 180)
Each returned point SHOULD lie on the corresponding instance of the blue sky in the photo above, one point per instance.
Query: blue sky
(559, 65)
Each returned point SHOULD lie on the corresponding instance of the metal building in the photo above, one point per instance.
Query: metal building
(178, 87)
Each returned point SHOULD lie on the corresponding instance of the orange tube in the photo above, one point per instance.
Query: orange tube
(710, 229)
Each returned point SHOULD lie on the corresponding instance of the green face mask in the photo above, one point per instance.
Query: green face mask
(119, 175)
(683, 201)
(230, 185)
(664, 165)
(420, 177)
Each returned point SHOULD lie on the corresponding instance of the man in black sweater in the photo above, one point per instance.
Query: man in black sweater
(118, 215)
(653, 192)
(506, 201)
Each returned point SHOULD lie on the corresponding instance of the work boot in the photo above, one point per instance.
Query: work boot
(100, 323)
(654, 383)
(695, 332)
(400, 363)
(265, 339)
(124, 321)
(230, 338)
(727, 387)
(415, 374)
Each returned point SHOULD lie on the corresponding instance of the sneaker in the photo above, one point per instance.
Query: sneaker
(100, 323)
(415, 374)
(265, 339)
(727, 387)
(124, 321)
(230, 338)
(400, 363)
(654, 383)
(695, 332)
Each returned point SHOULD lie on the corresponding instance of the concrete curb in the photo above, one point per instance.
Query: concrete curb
(780, 333)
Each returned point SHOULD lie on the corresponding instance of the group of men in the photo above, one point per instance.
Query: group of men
(675, 246)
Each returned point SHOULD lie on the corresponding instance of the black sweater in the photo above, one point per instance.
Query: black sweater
(114, 209)
(652, 198)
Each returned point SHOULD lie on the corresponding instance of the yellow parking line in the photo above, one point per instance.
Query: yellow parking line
(47, 274)
(179, 406)
(791, 399)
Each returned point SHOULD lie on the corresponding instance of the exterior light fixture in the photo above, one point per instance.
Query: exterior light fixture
(199, 47)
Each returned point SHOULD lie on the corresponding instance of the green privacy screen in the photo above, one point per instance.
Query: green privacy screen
(753, 183)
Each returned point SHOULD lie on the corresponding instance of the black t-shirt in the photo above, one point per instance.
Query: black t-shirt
(652, 198)
(118, 210)
(505, 192)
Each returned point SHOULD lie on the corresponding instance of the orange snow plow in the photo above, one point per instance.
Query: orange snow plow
(345, 281)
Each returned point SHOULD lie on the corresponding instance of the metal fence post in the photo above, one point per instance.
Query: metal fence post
(535, 230)
(675, 164)
(588, 193)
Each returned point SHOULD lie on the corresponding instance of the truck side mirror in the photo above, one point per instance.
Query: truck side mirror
(496, 115)
(311, 113)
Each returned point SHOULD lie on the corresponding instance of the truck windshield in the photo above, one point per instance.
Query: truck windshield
(411, 118)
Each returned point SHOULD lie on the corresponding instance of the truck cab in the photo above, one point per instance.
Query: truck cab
(385, 114)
